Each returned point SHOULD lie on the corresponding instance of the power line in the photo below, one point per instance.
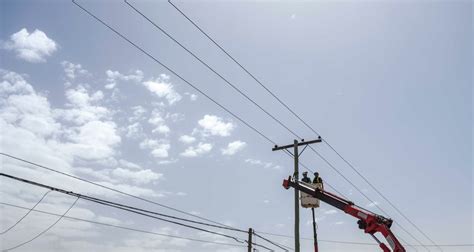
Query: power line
(108, 188)
(249, 99)
(213, 70)
(123, 207)
(172, 71)
(206, 241)
(296, 115)
(115, 190)
(127, 208)
(44, 231)
(368, 243)
(24, 216)
(271, 242)
(176, 74)
(210, 68)
(126, 228)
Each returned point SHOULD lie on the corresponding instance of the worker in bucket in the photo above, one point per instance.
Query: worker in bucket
(318, 180)
(305, 178)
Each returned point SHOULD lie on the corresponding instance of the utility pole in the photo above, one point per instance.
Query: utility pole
(315, 234)
(250, 240)
(296, 154)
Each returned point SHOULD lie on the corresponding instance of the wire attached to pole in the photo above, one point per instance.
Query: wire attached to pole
(27, 213)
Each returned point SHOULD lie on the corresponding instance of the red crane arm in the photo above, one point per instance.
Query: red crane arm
(370, 222)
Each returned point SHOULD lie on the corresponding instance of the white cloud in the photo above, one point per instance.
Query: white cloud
(14, 83)
(138, 113)
(159, 148)
(94, 140)
(139, 177)
(233, 148)
(267, 165)
(114, 76)
(134, 130)
(192, 97)
(33, 47)
(83, 106)
(31, 112)
(73, 70)
(373, 204)
(200, 149)
(187, 139)
(215, 125)
(330, 212)
(158, 121)
(129, 164)
(162, 88)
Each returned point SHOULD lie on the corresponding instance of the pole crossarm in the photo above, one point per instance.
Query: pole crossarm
(319, 140)
(296, 154)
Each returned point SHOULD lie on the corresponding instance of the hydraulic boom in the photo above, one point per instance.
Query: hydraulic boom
(370, 222)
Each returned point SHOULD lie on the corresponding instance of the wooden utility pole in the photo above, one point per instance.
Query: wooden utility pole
(315, 234)
(296, 154)
(250, 240)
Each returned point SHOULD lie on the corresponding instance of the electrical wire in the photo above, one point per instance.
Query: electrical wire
(125, 228)
(367, 243)
(200, 240)
(123, 207)
(289, 109)
(109, 188)
(224, 79)
(146, 200)
(27, 213)
(44, 231)
(283, 247)
(114, 205)
(169, 69)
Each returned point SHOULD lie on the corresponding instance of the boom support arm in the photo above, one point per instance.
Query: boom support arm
(371, 223)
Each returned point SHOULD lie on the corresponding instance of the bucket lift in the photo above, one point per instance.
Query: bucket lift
(370, 222)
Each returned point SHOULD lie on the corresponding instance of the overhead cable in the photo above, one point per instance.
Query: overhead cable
(26, 214)
(126, 228)
(44, 231)
(301, 120)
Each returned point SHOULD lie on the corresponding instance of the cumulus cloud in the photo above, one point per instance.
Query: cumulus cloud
(373, 204)
(187, 139)
(233, 148)
(94, 140)
(159, 148)
(330, 212)
(162, 88)
(157, 120)
(214, 125)
(33, 47)
(268, 165)
(138, 113)
(84, 106)
(192, 97)
(73, 70)
(200, 149)
(140, 177)
(134, 130)
(114, 76)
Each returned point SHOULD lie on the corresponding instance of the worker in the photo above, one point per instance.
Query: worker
(305, 178)
(317, 179)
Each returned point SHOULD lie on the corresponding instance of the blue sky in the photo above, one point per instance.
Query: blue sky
(388, 84)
